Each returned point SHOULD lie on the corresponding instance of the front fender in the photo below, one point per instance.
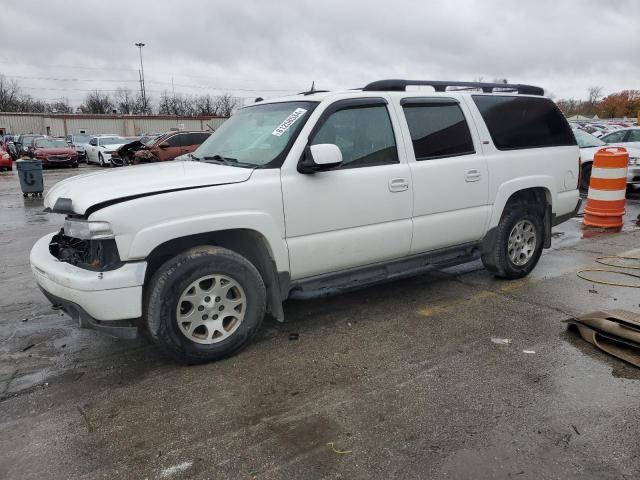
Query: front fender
(507, 189)
(144, 241)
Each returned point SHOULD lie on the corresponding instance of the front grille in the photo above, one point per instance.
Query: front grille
(98, 255)
(58, 157)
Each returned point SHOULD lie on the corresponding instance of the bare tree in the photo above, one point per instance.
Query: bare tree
(591, 105)
(124, 100)
(595, 93)
(9, 94)
(60, 106)
(225, 105)
(204, 105)
(166, 104)
(97, 102)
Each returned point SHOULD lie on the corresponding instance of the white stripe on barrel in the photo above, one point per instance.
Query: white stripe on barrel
(608, 172)
(607, 195)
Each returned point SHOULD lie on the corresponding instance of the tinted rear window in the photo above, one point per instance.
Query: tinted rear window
(437, 129)
(524, 122)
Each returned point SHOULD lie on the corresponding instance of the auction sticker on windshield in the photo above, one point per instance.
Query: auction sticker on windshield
(290, 120)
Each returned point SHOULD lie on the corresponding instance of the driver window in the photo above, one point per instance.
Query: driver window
(364, 135)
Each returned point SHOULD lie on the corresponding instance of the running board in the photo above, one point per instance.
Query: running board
(355, 278)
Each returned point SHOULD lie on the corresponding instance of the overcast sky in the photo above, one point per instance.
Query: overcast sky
(270, 48)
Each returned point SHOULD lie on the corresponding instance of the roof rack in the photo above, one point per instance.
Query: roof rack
(397, 85)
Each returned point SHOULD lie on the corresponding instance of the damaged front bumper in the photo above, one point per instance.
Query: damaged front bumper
(109, 301)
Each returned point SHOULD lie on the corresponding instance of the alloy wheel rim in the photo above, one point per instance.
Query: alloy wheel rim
(211, 309)
(522, 242)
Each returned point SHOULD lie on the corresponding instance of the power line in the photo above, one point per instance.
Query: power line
(204, 87)
(155, 82)
(71, 79)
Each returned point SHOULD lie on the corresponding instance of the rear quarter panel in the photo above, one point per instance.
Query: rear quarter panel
(553, 168)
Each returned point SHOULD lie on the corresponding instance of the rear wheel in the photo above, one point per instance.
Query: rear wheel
(205, 304)
(519, 239)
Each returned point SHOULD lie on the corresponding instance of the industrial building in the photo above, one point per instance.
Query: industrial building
(125, 125)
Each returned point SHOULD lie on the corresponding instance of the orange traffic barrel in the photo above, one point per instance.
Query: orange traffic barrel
(607, 188)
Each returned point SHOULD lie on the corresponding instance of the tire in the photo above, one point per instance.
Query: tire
(499, 260)
(183, 274)
(100, 160)
(586, 177)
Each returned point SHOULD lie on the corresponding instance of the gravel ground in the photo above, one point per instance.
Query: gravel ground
(396, 381)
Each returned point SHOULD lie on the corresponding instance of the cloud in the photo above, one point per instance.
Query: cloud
(255, 48)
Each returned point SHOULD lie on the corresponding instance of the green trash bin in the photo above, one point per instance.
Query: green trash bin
(30, 174)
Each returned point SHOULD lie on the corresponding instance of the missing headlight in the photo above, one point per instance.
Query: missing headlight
(98, 255)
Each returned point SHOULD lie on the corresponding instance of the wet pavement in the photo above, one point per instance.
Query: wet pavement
(397, 381)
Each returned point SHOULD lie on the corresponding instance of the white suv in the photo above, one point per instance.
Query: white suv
(307, 196)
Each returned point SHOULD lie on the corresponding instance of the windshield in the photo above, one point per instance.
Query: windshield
(256, 135)
(111, 140)
(149, 140)
(585, 139)
(81, 138)
(51, 143)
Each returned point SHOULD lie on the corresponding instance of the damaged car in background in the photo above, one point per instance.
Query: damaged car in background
(308, 196)
(161, 148)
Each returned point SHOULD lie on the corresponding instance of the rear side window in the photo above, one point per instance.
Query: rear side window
(198, 138)
(195, 138)
(438, 129)
(524, 122)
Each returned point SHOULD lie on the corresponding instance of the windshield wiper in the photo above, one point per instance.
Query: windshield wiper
(228, 161)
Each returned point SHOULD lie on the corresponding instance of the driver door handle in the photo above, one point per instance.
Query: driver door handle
(398, 185)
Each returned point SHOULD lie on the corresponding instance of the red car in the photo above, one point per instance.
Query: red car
(53, 151)
(6, 162)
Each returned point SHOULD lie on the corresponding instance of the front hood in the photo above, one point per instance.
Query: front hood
(89, 191)
(127, 147)
(111, 148)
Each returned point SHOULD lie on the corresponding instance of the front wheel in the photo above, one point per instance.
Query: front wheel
(205, 304)
(519, 239)
(100, 160)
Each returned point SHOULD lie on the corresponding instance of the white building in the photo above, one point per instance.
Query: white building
(125, 125)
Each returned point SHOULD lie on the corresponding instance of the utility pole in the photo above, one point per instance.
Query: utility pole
(142, 87)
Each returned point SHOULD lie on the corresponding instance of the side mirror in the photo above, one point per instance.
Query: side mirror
(164, 145)
(317, 158)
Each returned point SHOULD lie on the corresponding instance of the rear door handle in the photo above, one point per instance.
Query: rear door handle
(398, 185)
(472, 175)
